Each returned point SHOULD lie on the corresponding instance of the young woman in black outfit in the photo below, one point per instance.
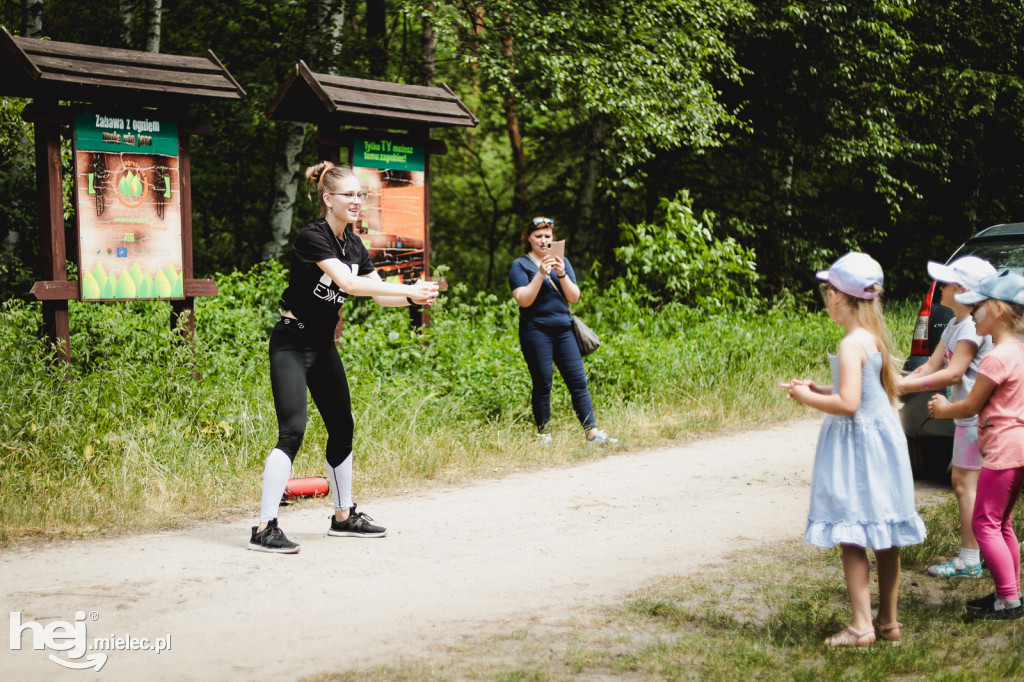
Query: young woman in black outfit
(328, 264)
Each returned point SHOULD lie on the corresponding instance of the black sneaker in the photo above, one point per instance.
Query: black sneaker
(992, 613)
(272, 539)
(982, 603)
(357, 525)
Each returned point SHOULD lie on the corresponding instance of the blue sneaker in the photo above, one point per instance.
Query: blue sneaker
(956, 568)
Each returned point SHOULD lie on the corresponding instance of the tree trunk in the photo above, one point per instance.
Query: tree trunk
(337, 20)
(285, 183)
(287, 166)
(32, 16)
(515, 137)
(582, 228)
(376, 33)
(154, 18)
(32, 27)
(127, 10)
(429, 47)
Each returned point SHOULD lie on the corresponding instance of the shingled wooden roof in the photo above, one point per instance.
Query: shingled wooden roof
(316, 97)
(48, 69)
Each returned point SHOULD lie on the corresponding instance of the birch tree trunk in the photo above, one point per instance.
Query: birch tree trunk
(287, 169)
(154, 19)
(32, 27)
(127, 10)
(32, 18)
(285, 182)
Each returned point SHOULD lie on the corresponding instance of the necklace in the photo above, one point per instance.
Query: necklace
(341, 242)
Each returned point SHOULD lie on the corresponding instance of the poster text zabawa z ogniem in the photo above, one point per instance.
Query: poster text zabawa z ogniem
(128, 206)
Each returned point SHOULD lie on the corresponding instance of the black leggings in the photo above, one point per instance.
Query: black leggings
(301, 359)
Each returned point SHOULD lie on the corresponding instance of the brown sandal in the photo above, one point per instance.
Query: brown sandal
(852, 638)
(890, 633)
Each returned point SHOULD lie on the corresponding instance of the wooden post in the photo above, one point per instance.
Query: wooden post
(187, 305)
(417, 316)
(51, 229)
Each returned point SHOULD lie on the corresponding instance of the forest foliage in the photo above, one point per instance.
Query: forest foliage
(796, 131)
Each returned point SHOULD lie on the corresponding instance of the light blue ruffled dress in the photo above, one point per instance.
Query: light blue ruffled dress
(862, 490)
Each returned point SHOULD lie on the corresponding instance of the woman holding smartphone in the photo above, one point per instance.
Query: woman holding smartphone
(545, 328)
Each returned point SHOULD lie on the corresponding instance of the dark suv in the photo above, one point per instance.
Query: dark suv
(931, 440)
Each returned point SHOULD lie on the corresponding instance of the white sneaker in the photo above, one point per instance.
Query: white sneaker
(601, 438)
(544, 439)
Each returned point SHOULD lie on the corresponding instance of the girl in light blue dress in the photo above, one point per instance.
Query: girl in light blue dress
(862, 491)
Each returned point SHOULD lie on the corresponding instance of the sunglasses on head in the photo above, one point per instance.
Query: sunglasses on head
(544, 221)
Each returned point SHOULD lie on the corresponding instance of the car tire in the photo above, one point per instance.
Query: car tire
(926, 462)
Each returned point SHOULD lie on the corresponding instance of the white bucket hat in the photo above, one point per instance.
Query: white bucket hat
(855, 274)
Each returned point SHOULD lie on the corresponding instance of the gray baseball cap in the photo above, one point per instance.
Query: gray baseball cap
(1006, 286)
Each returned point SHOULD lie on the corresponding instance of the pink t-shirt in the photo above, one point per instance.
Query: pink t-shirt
(1001, 421)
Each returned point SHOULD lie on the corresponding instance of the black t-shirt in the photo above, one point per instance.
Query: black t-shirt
(311, 295)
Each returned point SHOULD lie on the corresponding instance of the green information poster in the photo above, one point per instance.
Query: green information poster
(387, 153)
(393, 225)
(128, 207)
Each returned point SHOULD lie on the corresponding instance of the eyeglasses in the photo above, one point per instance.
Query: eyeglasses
(544, 221)
(349, 196)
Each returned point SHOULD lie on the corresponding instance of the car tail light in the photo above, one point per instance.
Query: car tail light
(919, 346)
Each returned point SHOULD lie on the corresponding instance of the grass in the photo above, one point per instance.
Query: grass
(131, 440)
(126, 438)
(750, 616)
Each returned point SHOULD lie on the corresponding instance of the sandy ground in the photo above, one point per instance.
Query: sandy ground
(457, 562)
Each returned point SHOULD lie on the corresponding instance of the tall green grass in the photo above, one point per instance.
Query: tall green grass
(142, 430)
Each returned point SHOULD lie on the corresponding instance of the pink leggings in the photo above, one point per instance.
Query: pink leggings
(998, 490)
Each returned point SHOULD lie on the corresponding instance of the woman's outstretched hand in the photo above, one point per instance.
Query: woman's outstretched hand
(424, 292)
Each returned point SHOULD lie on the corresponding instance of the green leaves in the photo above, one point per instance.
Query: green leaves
(680, 260)
(646, 67)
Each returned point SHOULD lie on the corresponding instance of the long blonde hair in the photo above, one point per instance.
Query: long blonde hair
(1015, 316)
(326, 176)
(869, 314)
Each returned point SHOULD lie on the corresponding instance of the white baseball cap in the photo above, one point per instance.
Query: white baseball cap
(855, 274)
(967, 271)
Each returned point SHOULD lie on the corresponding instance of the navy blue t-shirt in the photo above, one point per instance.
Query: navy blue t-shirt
(548, 308)
(311, 295)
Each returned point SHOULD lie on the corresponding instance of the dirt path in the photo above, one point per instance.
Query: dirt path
(457, 562)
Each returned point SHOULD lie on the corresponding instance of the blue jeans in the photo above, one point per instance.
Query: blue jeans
(543, 346)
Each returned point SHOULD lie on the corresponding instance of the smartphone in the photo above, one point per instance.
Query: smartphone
(557, 248)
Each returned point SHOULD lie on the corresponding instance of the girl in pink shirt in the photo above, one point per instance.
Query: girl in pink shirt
(998, 399)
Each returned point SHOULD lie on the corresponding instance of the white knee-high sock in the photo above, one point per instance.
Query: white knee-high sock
(341, 483)
(275, 478)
